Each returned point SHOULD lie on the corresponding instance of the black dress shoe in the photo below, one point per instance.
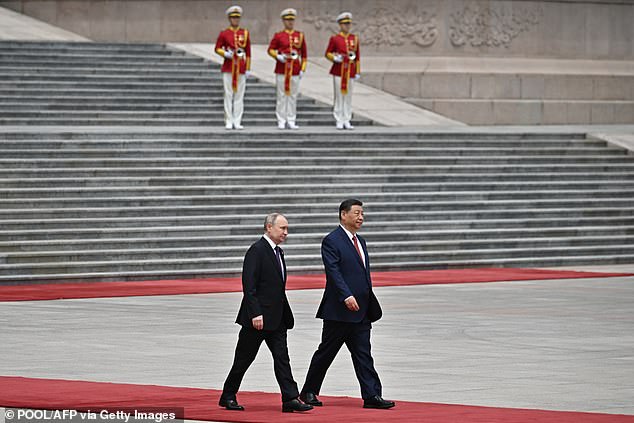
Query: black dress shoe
(295, 405)
(311, 399)
(377, 402)
(231, 404)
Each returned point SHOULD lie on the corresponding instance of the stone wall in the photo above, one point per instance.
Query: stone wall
(563, 29)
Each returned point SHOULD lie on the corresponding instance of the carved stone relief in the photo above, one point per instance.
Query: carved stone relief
(481, 26)
(385, 28)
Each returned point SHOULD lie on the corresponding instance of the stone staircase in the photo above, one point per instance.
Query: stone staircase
(137, 203)
(77, 83)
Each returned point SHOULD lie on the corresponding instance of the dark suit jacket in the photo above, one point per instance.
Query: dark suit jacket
(346, 276)
(264, 289)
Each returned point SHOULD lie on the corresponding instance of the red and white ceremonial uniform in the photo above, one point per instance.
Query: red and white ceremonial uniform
(288, 74)
(344, 72)
(233, 70)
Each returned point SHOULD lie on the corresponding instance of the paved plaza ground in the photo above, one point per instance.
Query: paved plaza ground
(554, 344)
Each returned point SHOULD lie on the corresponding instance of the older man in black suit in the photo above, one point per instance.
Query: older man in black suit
(265, 315)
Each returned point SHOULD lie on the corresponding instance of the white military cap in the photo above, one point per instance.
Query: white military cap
(288, 13)
(234, 12)
(345, 17)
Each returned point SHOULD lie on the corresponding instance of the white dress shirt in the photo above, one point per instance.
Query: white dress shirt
(350, 235)
(273, 246)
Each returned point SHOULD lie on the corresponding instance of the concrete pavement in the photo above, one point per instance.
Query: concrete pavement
(559, 344)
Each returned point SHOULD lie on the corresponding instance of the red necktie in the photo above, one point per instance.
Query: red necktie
(356, 245)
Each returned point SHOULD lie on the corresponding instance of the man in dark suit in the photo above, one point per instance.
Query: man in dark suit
(348, 309)
(265, 315)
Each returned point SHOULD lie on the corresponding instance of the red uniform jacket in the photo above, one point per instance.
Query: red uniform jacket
(344, 44)
(283, 43)
(232, 39)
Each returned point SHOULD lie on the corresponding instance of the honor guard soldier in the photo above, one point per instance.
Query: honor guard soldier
(288, 48)
(343, 52)
(234, 45)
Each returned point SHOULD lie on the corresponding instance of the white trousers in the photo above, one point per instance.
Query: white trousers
(234, 102)
(343, 103)
(286, 106)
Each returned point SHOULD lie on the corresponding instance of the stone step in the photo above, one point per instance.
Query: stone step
(304, 151)
(38, 170)
(28, 78)
(307, 135)
(72, 57)
(212, 162)
(28, 170)
(574, 179)
(297, 249)
(201, 92)
(83, 215)
(379, 258)
(223, 223)
(96, 106)
(132, 65)
(190, 116)
(430, 201)
(133, 100)
(132, 86)
(121, 239)
(44, 53)
(77, 45)
(246, 122)
(208, 70)
(284, 139)
(76, 250)
(457, 190)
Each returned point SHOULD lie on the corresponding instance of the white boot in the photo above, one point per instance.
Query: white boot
(292, 125)
(339, 125)
(348, 125)
(281, 124)
(228, 125)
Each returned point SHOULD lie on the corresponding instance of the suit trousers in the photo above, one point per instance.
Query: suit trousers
(342, 110)
(249, 341)
(286, 105)
(234, 101)
(356, 336)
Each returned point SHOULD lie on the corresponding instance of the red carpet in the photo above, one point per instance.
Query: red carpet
(215, 285)
(201, 404)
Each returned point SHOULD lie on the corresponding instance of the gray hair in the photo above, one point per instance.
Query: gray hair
(271, 219)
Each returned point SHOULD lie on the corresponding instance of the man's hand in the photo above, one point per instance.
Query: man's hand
(357, 76)
(351, 303)
(281, 58)
(248, 74)
(258, 322)
(301, 74)
(337, 58)
(228, 54)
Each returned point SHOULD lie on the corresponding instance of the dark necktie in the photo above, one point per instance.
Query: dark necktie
(278, 254)
(356, 245)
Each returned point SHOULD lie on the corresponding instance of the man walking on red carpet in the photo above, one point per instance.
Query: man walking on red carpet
(348, 309)
(265, 315)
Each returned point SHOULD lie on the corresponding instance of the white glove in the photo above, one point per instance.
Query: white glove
(357, 76)
(248, 74)
(281, 58)
(301, 74)
(337, 58)
(228, 54)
